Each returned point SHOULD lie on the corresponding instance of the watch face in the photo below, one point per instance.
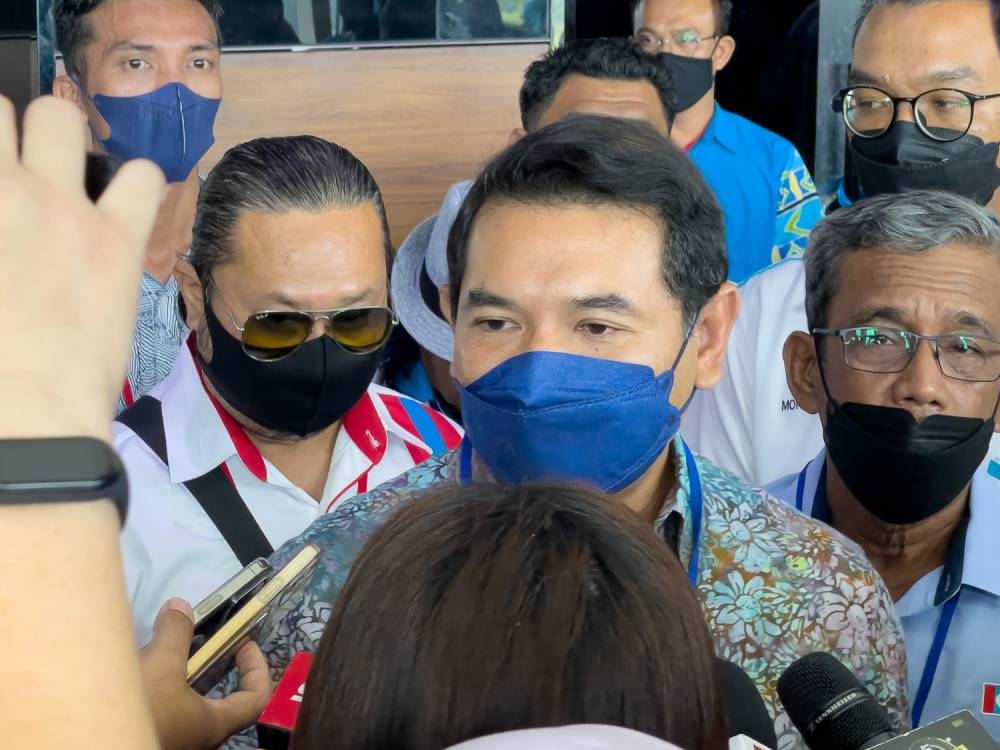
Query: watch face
(78, 464)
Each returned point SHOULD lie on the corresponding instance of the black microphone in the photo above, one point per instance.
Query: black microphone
(828, 705)
(746, 712)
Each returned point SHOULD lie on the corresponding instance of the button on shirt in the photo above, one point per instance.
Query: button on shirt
(159, 334)
(968, 671)
(774, 584)
(170, 546)
(765, 189)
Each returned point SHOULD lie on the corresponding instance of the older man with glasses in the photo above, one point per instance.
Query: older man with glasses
(901, 361)
(269, 419)
(766, 190)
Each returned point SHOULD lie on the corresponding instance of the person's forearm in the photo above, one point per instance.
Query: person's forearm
(63, 599)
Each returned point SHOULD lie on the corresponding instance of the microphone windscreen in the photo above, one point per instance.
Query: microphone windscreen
(746, 712)
(828, 705)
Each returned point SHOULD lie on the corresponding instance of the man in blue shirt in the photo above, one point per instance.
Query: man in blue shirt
(902, 363)
(766, 191)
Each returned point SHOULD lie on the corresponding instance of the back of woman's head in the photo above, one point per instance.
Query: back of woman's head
(485, 609)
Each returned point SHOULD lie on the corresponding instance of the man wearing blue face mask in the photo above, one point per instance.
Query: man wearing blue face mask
(146, 75)
(767, 194)
(588, 297)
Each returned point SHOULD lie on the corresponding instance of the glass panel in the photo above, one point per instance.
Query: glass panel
(17, 18)
(293, 22)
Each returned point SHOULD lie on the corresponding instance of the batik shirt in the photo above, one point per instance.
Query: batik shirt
(774, 584)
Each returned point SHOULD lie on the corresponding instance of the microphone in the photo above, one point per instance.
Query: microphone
(828, 705)
(748, 723)
(276, 724)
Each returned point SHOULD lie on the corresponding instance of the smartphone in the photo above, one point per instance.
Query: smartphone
(214, 610)
(210, 662)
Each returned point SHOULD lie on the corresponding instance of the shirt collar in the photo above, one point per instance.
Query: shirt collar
(975, 565)
(984, 529)
(202, 435)
(722, 130)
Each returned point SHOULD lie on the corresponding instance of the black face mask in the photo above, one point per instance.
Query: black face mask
(693, 77)
(903, 471)
(302, 394)
(904, 159)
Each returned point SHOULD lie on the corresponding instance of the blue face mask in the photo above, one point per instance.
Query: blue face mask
(549, 415)
(171, 126)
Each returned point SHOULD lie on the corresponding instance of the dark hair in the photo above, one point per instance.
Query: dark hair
(908, 223)
(596, 160)
(73, 30)
(277, 175)
(616, 59)
(723, 14)
(477, 610)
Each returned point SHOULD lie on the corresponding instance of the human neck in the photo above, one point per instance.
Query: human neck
(171, 236)
(901, 553)
(691, 123)
(306, 463)
(646, 496)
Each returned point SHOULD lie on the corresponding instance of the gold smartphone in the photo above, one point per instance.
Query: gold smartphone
(210, 662)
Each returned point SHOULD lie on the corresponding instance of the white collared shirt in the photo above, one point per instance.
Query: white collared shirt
(171, 548)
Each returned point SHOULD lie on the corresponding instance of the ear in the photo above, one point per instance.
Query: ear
(64, 88)
(712, 330)
(515, 135)
(193, 294)
(802, 373)
(444, 300)
(723, 53)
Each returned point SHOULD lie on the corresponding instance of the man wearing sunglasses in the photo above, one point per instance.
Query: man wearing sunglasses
(765, 189)
(269, 418)
(922, 112)
(901, 362)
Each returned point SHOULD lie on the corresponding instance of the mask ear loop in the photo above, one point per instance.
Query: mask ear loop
(831, 403)
(83, 91)
(677, 360)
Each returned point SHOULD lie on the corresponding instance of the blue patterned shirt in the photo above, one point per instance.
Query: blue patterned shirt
(765, 190)
(774, 584)
(159, 333)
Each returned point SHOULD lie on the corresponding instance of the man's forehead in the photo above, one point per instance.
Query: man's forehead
(675, 13)
(638, 100)
(151, 23)
(941, 43)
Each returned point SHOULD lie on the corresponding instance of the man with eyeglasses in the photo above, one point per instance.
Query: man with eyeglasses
(922, 112)
(269, 419)
(901, 362)
(765, 189)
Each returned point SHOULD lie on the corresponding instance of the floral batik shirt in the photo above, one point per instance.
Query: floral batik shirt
(774, 584)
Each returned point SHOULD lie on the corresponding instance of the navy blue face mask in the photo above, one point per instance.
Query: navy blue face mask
(171, 126)
(550, 415)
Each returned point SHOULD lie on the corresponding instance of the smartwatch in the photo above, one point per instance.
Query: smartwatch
(61, 470)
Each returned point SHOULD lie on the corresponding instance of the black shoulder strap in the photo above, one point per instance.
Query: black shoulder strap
(214, 491)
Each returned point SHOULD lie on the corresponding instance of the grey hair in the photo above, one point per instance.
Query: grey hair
(909, 224)
(867, 6)
(277, 175)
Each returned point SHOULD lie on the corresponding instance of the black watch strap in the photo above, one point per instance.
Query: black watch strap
(60, 470)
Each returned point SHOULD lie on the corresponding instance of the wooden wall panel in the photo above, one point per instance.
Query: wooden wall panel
(421, 118)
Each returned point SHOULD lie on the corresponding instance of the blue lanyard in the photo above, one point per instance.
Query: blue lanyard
(937, 646)
(940, 634)
(694, 481)
(697, 501)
